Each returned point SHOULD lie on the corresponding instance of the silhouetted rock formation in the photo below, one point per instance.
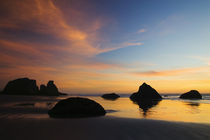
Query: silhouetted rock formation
(76, 107)
(145, 92)
(22, 86)
(43, 89)
(193, 94)
(50, 89)
(26, 86)
(110, 96)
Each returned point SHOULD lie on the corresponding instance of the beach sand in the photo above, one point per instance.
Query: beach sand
(100, 128)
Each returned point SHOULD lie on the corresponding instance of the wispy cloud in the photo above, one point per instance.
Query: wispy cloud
(119, 46)
(173, 72)
(24, 48)
(44, 17)
(126, 44)
(141, 31)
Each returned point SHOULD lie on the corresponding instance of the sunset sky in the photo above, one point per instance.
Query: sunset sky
(99, 46)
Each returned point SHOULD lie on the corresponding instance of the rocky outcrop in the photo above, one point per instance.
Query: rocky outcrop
(50, 89)
(193, 94)
(76, 107)
(145, 92)
(43, 89)
(110, 96)
(22, 86)
(26, 86)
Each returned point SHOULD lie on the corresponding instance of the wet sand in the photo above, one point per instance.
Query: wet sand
(103, 128)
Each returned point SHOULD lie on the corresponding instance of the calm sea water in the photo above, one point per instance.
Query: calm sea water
(171, 108)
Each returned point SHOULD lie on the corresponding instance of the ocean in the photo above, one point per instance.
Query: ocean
(171, 108)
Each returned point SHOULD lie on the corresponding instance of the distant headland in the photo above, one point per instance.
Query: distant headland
(26, 86)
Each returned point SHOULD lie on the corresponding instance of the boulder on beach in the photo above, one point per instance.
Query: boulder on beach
(76, 107)
(110, 96)
(21, 86)
(193, 94)
(145, 92)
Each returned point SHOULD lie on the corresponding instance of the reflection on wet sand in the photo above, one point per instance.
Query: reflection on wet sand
(25, 104)
(36, 104)
(193, 107)
(146, 105)
(193, 104)
(170, 110)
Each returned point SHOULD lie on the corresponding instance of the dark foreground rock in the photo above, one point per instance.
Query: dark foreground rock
(145, 92)
(110, 96)
(20, 86)
(76, 107)
(193, 94)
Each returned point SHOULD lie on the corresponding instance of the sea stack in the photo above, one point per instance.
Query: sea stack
(76, 107)
(193, 94)
(50, 89)
(146, 92)
(110, 96)
(21, 86)
(26, 86)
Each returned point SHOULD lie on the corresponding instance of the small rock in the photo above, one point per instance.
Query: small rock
(110, 96)
(193, 94)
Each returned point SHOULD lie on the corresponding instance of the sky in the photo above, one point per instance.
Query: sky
(101, 46)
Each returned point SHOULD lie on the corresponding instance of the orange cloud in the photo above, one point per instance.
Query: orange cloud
(42, 16)
(24, 48)
(45, 17)
(42, 55)
(141, 31)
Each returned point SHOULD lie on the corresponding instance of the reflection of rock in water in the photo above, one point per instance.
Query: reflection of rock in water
(145, 105)
(193, 104)
(193, 107)
(36, 104)
(25, 104)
